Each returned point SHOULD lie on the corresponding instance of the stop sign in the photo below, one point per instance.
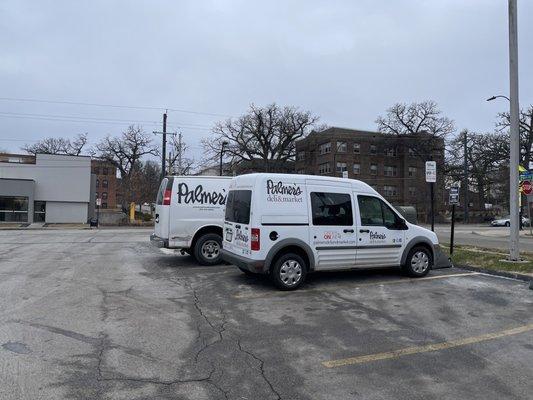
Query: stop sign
(527, 188)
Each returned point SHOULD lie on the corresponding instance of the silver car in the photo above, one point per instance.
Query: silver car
(506, 221)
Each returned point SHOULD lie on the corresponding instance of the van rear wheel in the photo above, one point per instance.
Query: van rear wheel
(418, 262)
(207, 249)
(289, 271)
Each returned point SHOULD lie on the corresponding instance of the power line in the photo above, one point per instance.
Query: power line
(79, 103)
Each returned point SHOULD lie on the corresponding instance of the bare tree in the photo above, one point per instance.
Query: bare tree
(526, 133)
(422, 121)
(51, 145)
(178, 163)
(264, 137)
(145, 182)
(125, 152)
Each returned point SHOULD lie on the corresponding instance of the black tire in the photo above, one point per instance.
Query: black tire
(507, 224)
(414, 263)
(207, 249)
(287, 277)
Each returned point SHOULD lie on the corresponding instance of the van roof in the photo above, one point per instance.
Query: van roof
(199, 176)
(357, 185)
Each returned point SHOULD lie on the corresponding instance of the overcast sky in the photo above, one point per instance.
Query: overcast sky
(345, 61)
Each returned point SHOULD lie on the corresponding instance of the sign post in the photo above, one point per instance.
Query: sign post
(98, 204)
(454, 199)
(431, 178)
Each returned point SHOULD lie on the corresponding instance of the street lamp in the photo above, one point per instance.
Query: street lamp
(500, 95)
(224, 143)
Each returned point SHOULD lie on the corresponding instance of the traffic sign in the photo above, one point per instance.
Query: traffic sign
(345, 174)
(526, 176)
(431, 171)
(454, 195)
(98, 201)
(527, 189)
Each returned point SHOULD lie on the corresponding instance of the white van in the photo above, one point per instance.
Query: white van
(189, 214)
(289, 225)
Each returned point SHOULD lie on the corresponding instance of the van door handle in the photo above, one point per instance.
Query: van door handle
(364, 230)
(348, 231)
(238, 226)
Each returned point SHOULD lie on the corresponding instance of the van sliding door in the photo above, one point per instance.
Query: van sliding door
(332, 230)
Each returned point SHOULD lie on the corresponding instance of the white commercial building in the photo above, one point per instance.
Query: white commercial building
(46, 188)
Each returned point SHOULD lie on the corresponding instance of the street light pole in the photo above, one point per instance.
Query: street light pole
(221, 154)
(514, 254)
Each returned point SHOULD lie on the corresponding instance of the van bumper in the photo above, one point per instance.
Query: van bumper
(157, 241)
(441, 260)
(256, 266)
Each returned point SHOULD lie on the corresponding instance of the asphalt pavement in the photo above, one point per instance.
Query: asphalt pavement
(103, 315)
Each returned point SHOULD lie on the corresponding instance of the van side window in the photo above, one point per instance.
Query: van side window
(374, 212)
(331, 209)
(238, 206)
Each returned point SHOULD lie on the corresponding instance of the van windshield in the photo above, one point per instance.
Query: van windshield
(238, 206)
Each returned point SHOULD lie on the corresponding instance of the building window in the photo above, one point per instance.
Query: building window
(324, 148)
(39, 211)
(98, 183)
(356, 169)
(13, 209)
(300, 156)
(342, 147)
(373, 169)
(411, 172)
(389, 191)
(391, 152)
(356, 148)
(105, 183)
(324, 168)
(104, 195)
(96, 170)
(341, 167)
(390, 170)
(373, 149)
(412, 191)
(105, 171)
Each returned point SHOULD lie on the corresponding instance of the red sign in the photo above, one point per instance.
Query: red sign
(527, 188)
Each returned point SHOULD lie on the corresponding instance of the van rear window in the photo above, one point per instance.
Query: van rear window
(166, 183)
(238, 206)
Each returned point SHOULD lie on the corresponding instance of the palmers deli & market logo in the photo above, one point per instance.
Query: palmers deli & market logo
(283, 193)
(199, 196)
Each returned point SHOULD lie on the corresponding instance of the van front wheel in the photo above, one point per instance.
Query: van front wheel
(289, 271)
(418, 262)
(207, 249)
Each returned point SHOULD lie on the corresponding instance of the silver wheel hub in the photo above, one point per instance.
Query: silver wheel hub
(290, 272)
(420, 262)
(210, 249)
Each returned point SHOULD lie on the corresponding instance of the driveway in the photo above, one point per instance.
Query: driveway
(103, 315)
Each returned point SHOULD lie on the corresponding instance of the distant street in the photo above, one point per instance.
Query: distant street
(484, 236)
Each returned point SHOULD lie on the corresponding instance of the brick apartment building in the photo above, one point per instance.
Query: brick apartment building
(106, 182)
(385, 162)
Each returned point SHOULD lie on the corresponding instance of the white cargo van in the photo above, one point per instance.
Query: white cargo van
(189, 214)
(289, 225)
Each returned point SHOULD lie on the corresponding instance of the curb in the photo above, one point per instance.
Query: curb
(504, 274)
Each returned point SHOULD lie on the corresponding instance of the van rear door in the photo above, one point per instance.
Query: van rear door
(162, 208)
(333, 228)
(237, 232)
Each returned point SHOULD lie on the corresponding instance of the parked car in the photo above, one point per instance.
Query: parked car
(506, 221)
(289, 225)
(189, 214)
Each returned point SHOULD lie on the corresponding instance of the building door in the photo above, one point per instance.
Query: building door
(332, 230)
(380, 233)
(39, 211)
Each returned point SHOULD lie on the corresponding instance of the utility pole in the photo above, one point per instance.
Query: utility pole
(180, 170)
(224, 143)
(164, 150)
(465, 151)
(514, 253)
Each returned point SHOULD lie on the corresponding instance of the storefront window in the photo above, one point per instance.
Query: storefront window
(13, 209)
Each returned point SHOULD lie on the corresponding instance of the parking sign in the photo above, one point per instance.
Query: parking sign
(431, 171)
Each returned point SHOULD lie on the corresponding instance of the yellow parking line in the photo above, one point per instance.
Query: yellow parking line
(331, 288)
(427, 348)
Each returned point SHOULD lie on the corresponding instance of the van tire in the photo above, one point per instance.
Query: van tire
(418, 262)
(207, 249)
(286, 269)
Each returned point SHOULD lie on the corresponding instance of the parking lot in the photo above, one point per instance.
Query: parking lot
(89, 314)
